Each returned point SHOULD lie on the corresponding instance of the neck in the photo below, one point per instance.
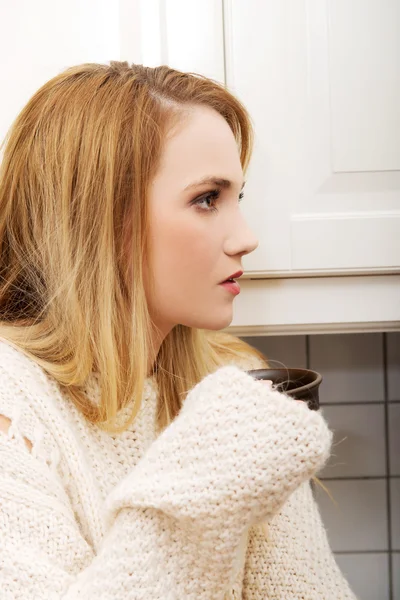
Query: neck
(158, 336)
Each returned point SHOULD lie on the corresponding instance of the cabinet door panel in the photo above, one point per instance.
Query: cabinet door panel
(187, 36)
(40, 39)
(322, 82)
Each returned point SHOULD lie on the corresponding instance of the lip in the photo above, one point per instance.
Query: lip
(234, 276)
(231, 286)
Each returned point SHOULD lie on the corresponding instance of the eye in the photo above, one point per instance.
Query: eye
(212, 197)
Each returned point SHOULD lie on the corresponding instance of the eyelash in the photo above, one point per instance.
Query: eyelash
(213, 195)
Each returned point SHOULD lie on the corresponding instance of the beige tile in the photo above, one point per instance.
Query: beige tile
(351, 366)
(396, 575)
(367, 574)
(393, 367)
(359, 440)
(395, 510)
(281, 350)
(358, 520)
(394, 438)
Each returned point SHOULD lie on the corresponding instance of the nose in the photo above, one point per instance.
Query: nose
(241, 239)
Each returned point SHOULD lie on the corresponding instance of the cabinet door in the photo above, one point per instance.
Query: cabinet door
(321, 80)
(39, 39)
(186, 35)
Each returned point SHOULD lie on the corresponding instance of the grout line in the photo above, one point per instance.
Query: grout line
(361, 552)
(358, 477)
(387, 451)
(307, 352)
(358, 402)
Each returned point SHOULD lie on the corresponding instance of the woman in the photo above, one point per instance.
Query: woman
(138, 458)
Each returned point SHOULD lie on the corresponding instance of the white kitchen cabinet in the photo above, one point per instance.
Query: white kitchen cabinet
(314, 305)
(322, 82)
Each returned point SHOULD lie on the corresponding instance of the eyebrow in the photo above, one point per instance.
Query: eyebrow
(224, 183)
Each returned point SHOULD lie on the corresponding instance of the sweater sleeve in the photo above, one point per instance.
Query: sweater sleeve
(230, 459)
(292, 559)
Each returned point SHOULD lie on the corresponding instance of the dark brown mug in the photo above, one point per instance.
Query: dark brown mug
(301, 384)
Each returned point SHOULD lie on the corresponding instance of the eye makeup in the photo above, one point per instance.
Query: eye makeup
(212, 196)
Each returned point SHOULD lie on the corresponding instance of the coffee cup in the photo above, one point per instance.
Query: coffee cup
(300, 384)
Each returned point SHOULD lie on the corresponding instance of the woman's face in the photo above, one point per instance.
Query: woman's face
(196, 246)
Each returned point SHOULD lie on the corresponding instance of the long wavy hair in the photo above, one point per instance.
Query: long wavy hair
(77, 164)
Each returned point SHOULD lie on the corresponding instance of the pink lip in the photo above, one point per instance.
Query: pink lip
(232, 286)
(234, 276)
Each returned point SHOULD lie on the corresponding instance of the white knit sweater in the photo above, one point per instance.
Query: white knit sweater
(87, 514)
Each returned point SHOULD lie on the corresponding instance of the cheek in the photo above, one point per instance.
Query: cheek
(183, 247)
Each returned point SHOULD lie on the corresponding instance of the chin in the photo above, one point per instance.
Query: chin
(214, 324)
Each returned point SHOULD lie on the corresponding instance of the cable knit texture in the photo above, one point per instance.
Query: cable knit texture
(136, 516)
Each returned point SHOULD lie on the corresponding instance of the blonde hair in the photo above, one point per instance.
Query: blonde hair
(78, 161)
(77, 164)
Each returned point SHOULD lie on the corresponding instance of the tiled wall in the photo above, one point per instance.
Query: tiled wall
(360, 398)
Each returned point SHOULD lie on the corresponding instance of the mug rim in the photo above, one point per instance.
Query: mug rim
(315, 383)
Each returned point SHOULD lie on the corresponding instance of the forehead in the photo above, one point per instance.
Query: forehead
(202, 144)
